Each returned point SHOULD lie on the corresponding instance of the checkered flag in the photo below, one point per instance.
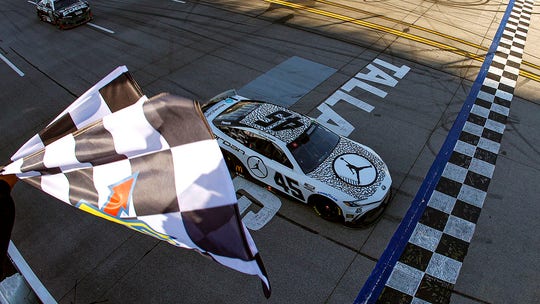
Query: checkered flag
(153, 166)
(114, 92)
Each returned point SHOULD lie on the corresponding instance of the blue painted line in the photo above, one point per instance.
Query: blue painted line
(379, 276)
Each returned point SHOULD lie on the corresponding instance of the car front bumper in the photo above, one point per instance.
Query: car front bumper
(75, 20)
(364, 218)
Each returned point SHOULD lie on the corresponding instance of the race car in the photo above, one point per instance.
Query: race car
(289, 152)
(64, 13)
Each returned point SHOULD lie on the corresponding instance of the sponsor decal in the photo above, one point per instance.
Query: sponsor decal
(230, 145)
(309, 187)
(116, 209)
(118, 203)
(240, 170)
(354, 169)
(214, 109)
(71, 9)
(257, 167)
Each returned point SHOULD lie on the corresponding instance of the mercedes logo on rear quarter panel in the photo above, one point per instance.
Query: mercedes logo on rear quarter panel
(257, 167)
(355, 170)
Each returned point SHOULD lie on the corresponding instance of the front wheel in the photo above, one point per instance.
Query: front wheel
(327, 209)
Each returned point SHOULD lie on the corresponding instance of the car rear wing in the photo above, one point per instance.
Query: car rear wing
(219, 97)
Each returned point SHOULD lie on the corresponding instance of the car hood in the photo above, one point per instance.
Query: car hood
(354, 169)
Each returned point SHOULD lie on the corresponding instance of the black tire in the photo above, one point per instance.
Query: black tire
(327, 209)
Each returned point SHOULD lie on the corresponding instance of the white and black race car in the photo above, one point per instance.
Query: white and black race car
(64, 13)
(287, 151)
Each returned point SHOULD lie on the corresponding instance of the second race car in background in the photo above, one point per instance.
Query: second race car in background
(64, 13)
(287, 151)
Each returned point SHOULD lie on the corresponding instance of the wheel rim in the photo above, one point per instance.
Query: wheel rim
(328, 210)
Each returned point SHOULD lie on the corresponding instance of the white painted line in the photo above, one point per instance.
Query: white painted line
(11, 65)
(258, 195)
(179, 1)
(32, 2)
(100, 28)
(30, 277)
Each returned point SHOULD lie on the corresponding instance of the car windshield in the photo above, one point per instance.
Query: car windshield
(59, 4)
(312, 147)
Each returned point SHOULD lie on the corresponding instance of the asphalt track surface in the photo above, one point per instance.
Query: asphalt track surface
(198, 49)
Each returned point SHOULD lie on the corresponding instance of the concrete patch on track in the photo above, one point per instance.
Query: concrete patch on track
(289, 81)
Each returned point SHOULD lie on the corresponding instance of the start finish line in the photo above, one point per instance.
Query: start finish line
(422, 262)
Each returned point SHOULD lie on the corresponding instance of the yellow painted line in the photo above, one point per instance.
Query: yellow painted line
(380, 28)
(532, 65)
(398, 33)
(453, 38)
(529, 75)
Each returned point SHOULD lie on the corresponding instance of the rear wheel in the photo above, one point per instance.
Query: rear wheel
(327, 209)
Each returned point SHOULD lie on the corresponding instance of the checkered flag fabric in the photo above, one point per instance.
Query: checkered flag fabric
(114, 92)
(153, 166)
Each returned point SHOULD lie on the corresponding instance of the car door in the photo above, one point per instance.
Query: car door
(271, 166)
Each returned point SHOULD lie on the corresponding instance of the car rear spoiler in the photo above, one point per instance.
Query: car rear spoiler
(219, 97)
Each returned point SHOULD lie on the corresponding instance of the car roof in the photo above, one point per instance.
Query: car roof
(247, 113)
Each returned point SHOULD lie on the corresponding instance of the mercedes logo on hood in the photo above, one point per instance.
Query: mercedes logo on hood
(355, 170)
